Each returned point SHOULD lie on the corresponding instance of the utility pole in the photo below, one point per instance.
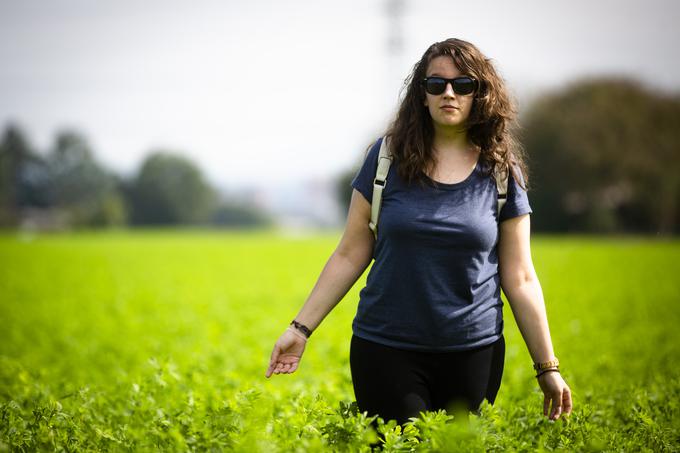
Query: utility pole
(394, 11)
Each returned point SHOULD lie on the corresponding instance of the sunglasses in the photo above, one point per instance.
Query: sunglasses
(461, 85)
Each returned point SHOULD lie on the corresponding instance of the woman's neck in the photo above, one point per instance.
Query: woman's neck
(451, 142)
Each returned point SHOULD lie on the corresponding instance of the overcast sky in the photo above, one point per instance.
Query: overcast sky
(270, 92)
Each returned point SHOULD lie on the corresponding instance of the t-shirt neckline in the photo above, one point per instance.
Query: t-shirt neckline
(455, 185)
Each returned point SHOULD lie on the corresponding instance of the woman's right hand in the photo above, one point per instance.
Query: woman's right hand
(286, 355)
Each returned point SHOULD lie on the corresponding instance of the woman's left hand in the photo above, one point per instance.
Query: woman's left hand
(555, 390)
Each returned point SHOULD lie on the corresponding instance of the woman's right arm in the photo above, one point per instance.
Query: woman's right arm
(349, 260)
(345, 265)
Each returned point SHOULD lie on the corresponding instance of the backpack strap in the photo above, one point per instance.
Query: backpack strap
(384, 162)
(501, 188)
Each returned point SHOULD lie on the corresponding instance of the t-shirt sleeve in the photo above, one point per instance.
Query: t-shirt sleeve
(517, 202)
(363, 180)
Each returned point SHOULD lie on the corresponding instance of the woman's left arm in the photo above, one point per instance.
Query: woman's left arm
(523, 291)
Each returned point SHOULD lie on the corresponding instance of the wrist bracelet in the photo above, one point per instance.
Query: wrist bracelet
(302, 328)
(547, 371)
(549, 364)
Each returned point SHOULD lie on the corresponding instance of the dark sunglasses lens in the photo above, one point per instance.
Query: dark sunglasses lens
(463, 86)
(435, 85)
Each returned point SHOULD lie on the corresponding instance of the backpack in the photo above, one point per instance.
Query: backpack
(384, 162)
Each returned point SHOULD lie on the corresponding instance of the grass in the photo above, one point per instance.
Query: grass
(134, 341)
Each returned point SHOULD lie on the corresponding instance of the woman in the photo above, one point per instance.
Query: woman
(428, 333)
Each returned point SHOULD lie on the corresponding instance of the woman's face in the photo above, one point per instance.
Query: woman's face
(447, 109)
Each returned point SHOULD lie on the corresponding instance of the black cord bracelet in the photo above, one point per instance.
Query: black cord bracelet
(302, 328)
(548, 370)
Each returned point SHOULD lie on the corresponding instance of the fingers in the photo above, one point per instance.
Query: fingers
(566, 400)
(279, 365)
(273, 361)
(556, 406)
(561, 403)
(546, 405)
(270, 370)
(281, 368)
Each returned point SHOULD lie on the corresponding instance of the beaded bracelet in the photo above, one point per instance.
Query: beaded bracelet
(548, 364)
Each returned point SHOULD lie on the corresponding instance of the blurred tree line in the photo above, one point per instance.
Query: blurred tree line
(67, 188)
(604, 157)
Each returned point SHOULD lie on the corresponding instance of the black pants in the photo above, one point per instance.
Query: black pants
(398, 384)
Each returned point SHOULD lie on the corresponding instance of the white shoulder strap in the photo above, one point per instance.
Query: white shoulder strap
(502, 188)
(384, 162)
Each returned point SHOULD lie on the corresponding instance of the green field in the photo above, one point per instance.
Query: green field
(159, 340)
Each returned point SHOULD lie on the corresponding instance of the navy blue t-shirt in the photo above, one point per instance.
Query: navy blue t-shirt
(434, 285)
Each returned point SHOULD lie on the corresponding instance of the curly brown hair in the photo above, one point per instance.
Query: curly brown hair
(491, 125)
